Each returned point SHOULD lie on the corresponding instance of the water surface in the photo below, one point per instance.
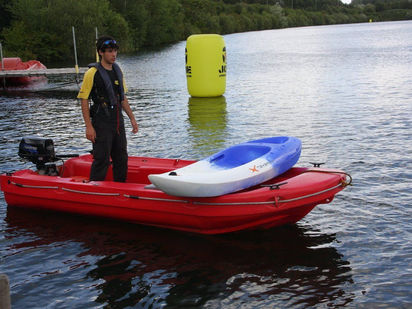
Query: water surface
(344, 90)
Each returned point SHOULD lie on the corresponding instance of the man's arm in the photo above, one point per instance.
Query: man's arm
(129, 112)
(83, 95)
(90, 132)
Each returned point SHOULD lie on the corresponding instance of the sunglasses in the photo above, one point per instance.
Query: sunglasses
(109, 42)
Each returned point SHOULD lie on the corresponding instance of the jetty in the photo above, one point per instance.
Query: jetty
(45, 72)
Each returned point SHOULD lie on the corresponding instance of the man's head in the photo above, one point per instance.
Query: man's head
(107, 48)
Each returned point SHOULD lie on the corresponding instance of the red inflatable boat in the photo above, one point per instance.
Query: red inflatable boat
(281, 200)
(12, 64)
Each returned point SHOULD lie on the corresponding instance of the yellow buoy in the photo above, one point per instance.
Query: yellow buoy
(206, 65)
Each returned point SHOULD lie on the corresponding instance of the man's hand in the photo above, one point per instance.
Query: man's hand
(135, 126)
(90, 133)
(128, 110)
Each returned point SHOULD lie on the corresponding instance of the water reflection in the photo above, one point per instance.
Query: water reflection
(208, 121)
(51, 84)
(123, 265)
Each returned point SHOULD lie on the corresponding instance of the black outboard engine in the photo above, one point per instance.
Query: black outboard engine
(39, 151)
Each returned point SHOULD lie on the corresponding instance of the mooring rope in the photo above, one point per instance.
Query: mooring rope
(344, 183)
(277, 201)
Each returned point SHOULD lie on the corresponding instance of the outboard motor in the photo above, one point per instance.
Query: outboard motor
(39, 151)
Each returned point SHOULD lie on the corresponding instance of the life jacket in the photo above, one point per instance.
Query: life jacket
(108, 83)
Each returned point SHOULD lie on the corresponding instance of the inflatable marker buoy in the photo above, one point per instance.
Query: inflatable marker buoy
(206, 65)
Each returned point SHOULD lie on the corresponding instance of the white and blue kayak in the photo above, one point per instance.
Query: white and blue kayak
(233, 169)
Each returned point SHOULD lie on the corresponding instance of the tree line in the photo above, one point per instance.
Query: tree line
(41, 29)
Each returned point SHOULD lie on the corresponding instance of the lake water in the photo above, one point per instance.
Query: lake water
(344, 90)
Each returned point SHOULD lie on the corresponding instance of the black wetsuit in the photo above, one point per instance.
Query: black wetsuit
(107, 120)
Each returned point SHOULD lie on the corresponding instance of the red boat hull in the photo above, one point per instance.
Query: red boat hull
(258, 207)
(17, 64)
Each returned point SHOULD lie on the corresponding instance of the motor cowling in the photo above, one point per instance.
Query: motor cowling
(37, 150)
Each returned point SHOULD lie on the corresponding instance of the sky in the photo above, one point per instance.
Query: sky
(346, 1)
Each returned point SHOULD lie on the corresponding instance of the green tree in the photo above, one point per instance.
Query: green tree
(227, 24)
(137, 16)
(5, 16)
(42, 29)
(279, 19)
(198, 15)
(166, 22)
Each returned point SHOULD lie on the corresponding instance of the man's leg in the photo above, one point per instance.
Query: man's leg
(119, 155)
(101, 153)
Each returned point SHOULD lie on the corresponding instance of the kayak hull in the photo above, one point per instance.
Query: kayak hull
(233, 169)
(260, 207)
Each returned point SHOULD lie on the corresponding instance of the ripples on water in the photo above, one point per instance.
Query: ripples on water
(343, 90)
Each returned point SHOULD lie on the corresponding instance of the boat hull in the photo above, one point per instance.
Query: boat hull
(11, 64)
(260, 207)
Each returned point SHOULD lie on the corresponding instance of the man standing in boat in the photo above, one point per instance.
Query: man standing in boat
(104, 84)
